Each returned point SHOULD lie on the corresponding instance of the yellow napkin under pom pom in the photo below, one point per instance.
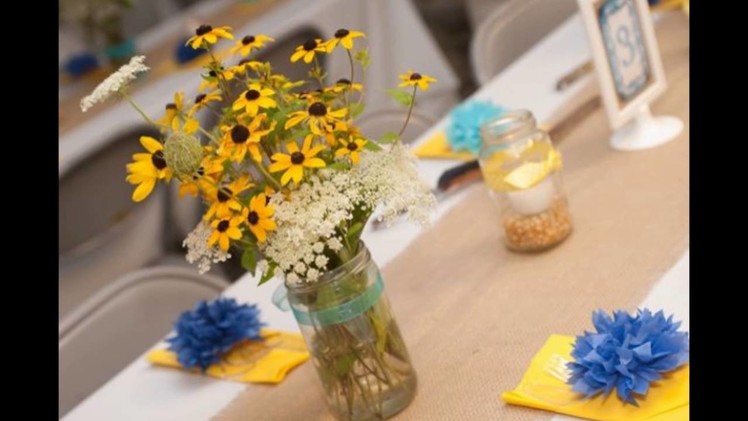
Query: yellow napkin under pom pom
(250, 361)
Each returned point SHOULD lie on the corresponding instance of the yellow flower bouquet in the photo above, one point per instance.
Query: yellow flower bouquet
(289, 182)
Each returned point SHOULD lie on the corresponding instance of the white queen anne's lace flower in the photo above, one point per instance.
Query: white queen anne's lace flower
(310, 219)
(198, 250)
(115, 82)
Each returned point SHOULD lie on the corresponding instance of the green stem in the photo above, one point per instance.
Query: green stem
(410, 111)
(219, 73)
(210, 136)
(138, 109)
(267, 175)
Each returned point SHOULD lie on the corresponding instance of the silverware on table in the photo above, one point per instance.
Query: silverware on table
(576, 74)
(458, 178)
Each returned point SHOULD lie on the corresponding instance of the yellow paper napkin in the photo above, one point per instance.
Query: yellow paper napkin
(251, 361)
(437, 147)
(667, 399)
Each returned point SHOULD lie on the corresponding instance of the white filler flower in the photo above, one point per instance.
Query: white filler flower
(115, 82)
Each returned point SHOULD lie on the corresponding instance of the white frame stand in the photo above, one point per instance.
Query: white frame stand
(645, 131)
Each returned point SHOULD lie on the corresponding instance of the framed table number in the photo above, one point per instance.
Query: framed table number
(629, 69)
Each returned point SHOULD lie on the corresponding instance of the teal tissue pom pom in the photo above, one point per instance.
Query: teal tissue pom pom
(463, 131)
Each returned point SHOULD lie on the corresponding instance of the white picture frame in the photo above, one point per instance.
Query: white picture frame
(624, 49)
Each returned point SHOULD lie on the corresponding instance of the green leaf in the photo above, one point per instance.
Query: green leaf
(389, 138)
(249, 260)
(344, 364)
(362, 56)
(356, 109)
(354, 231)
(402, 97)
(339, 166)
(269, 274)
(372, 146)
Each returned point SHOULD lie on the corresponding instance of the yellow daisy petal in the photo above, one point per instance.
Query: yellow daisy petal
(143, 190)
(150, 144)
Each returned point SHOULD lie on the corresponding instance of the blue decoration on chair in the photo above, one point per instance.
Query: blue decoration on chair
(184, 53)
(212, 329)
(627, 353)
(80, 64)
(463, 131)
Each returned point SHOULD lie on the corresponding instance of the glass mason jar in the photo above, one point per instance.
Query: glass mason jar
(522, 170)
(354, 340)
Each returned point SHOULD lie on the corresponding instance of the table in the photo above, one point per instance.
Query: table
(149, 393)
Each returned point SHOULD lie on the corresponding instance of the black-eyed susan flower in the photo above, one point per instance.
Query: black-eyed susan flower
(343, 85)
(308, 49)
(258, 217)
(223, 199)
(416, 79)
(148, 168)
(206, 35)
(250, 42)
(212, 79)
(318, 117)
(204, 178)
(240, 138)
(224, 230)
(344, 37)
(171, 113)
(296, 160)
(245, 65)
(351, 147)
(202, 101)
(254, 98)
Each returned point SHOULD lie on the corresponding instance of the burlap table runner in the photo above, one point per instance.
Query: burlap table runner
(473, 314)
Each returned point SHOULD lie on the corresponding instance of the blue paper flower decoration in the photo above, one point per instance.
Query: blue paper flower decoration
(463, 131)
(81, 64)
(627, 353)
(211, 329)
(184, 53)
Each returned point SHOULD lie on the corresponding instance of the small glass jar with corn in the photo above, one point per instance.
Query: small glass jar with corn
(522, 170)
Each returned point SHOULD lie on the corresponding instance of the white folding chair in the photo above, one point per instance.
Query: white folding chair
(102, 233)
(512, 28)
(115, 325)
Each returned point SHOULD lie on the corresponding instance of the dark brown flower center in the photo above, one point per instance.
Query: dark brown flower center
(224, 194)
(252, 95)
(239, 134)
(248, 39)
(340, 33)
(223, 225)
(352, 146)
(203, 29)
(310, 45)
(416, 76)
(171, 106)
(199, 98)
(343, 81)
(297, 158)
(212, 73)
(158, 160)
(253, 218)
(318, 109)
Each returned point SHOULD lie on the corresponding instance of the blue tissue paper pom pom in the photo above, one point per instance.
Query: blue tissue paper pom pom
(211, 329)
(185, 53)
(627, 353)
(81, 64)
(463, 131)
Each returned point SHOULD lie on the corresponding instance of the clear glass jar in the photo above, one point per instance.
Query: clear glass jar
(522, 170)
(354, 340)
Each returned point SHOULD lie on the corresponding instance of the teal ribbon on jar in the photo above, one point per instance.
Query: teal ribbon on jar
(333, 315)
